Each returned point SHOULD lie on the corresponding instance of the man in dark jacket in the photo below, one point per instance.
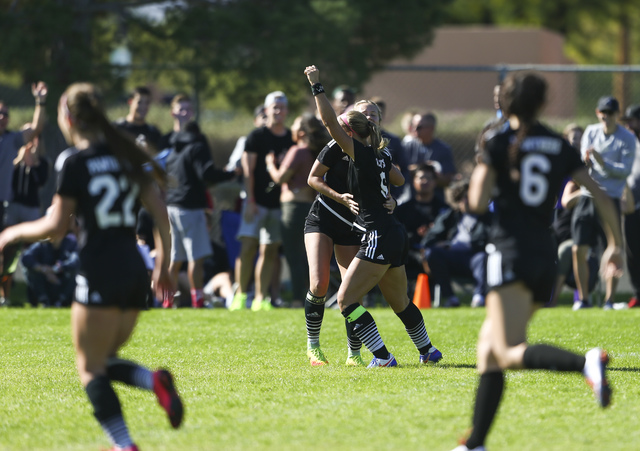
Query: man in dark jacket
(454, 247)
(190, 170)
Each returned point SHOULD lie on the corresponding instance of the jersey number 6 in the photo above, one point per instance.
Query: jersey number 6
(533, 184)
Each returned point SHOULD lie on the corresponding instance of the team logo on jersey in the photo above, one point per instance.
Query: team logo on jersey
(380, 163)
(380, 257)
(346, 158)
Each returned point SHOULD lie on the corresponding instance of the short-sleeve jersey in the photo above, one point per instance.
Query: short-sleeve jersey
(372, 187)
(337, 177)
(107, 207)
(262, 141)
(524, 207)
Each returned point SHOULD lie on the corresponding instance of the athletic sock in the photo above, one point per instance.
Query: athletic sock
(353, 342)
(314, 314)
(129, 373)
(366, 330)
(488, 397)
(107, 410)
(545, 357)
(197, 298)
(414, 325)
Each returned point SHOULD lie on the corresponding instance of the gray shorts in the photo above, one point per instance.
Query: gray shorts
(189, 235)
(265, 226)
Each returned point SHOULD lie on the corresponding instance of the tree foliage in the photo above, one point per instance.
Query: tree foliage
(236, 49)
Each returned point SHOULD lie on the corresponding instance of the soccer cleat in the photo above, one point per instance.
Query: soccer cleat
(579, 305)
(608, 305)
(477, 301)
(383, 363)
(633, 302)
(198, 304)
(355, 360)
(453, 301)
(433, 356)
(316, 357)
(464, 448)
(168, 397)
(264, 304)
(127, 448)
(239, 302)
(594, 371)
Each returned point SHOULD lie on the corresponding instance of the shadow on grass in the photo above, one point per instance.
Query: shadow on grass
(456, 365)
(630, 370)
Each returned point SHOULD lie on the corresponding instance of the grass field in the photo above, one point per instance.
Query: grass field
(247, 385)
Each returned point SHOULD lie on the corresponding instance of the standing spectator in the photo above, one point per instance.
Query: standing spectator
(135, 123)
(50, 268)
(632, 220)
(418, 215)
(454, 247)
(181, 112)
(297, 196)
(30, 173)
(191, 167)
(343, 99)
(260, 228)
(522, 166)
(108, 172)
(235, 159)
(10, 144)
(424, 147)
(608, 150)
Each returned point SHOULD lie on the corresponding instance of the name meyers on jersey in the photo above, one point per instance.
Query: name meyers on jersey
(103, 164)
(543, 144)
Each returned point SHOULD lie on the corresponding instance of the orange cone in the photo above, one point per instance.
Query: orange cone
(422, 295)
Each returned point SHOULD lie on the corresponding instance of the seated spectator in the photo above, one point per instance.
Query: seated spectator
(418, 215)
(454, 247)
(50, 268)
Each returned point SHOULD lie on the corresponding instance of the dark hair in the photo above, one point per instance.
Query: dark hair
(83, 102)
(458, 190)
(317, 134)
(522, 95)
(424, 167)
(141, 91)
(179, 98)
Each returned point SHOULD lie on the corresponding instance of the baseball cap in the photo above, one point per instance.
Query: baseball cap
(632, 112)
(608, 103)
(273, 97)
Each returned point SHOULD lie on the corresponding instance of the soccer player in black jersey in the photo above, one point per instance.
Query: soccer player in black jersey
(384, 247)
(522, 166)
(102, 184)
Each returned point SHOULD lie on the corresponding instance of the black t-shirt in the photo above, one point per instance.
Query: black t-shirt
(144, 133)
(262, 141)
(337, 177)
(107, 206)
(524, 208)
(372, 187)
(414, 214)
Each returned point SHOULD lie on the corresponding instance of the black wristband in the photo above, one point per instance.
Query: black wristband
(40, 102)
(316, 89)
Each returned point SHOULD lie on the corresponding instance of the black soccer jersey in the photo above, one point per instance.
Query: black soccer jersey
(337, 177)
(524, 207)
(371, 186)
(107, 206)
(261, 141)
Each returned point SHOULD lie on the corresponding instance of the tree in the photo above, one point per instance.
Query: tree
(236, 49)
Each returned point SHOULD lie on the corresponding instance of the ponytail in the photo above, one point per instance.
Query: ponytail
(377, 141)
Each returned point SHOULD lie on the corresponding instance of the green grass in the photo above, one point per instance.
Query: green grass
(247, 384)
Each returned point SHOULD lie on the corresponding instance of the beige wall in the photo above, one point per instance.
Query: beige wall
(463, 46)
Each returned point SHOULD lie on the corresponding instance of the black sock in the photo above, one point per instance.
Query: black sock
(129, 373)
(107, 410)
(353, 342)
(414, 325)
(365, 328)
(314, 314)
(488, 397)
(545, 357)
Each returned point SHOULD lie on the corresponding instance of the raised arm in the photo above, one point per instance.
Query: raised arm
(39, 92)
(327, 114)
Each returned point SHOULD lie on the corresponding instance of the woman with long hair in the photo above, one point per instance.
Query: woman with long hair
(522, 165)
(384, 244)
(101, 184)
